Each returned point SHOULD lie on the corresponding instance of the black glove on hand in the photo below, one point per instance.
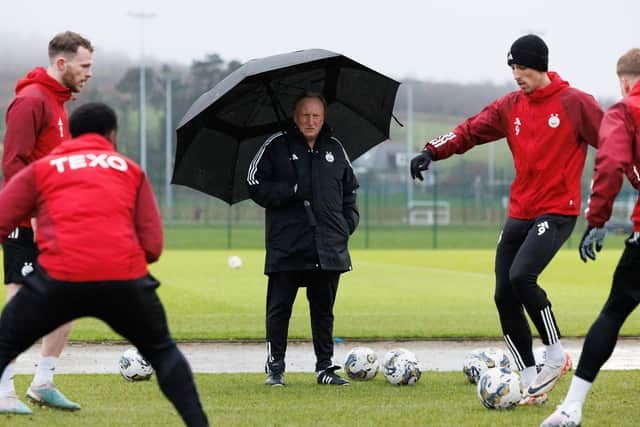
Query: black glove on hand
(420, 163)
(591, 235)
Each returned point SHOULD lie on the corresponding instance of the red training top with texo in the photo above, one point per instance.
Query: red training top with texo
(547, 131)
(36, 122)
(619, 154)
(96, 214)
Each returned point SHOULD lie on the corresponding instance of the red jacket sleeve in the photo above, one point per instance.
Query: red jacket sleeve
(486, 126)
(25, 119)
(584, 114)
(613, 159)
(148, 222)
(18, 199)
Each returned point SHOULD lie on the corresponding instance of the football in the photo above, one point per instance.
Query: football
(479, 361)
(361, 364)
(400, 367)
(234, 261)
(499, 388)
(134, 367)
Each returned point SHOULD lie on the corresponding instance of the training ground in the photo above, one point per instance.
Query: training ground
(237, 357)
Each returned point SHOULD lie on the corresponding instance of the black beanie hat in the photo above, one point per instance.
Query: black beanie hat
(530, 51)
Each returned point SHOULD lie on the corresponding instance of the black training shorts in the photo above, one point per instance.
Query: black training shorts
(20, 253)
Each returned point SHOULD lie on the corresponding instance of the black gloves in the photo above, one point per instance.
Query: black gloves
(420, 163)
(591, 235)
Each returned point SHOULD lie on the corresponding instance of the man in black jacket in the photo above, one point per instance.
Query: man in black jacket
(305, 181)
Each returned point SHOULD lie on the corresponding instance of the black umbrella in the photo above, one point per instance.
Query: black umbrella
(224, 128)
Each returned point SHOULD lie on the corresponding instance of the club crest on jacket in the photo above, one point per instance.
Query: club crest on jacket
(27, 269)
(328, 156)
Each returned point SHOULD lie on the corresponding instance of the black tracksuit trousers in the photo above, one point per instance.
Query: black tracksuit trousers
(322, 287)
(524, 250)
(131, 308)
(623, 299)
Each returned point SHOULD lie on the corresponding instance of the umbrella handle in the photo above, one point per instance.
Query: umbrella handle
(310, 215)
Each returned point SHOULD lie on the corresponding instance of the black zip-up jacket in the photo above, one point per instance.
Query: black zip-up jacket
(284, 174)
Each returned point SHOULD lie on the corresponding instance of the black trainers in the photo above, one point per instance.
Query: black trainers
(275, 379)
(275, 372)
(329, 376)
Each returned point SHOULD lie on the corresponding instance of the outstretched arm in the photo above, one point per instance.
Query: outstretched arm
(486, 126)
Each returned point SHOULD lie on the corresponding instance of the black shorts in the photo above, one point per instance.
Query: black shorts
(20, 253)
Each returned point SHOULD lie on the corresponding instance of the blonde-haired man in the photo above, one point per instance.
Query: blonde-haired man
(618, 154)
(36, 124)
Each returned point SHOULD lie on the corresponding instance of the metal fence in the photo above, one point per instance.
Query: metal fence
(456, 192)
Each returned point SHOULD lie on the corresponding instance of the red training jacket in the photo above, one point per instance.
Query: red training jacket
(547, 131)
(96, 214)
(36, 122)
(619, 154)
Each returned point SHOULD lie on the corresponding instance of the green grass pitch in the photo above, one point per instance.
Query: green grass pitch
(390, 294)
(438, 399)
(394, 294)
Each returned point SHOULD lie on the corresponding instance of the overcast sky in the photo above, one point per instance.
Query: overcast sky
(443, 40)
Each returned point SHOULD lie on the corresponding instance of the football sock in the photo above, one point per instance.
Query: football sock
(555, 353)
(44, 371)
(6, 381)
(578, 390)
(527, 375)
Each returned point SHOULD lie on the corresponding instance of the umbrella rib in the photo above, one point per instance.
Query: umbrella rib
(365, 117)
(256, 110)
(261, 100)
(257, 102)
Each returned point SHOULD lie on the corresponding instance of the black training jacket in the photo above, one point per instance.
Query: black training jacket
(282, 176)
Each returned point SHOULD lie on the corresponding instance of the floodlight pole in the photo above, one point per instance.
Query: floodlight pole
(143, 114)
(409, 149)
(491, 165)
(168, 191)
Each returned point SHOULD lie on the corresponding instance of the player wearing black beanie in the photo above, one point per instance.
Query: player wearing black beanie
(530, 51)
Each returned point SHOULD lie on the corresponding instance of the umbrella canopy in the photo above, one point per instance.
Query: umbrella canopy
(224, 128)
